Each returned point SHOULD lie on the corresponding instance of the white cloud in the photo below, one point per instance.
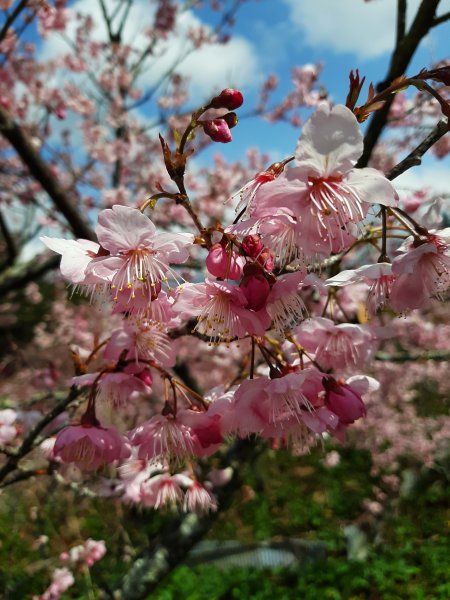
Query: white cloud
(366, 29)
(434, 177)
(209, 68)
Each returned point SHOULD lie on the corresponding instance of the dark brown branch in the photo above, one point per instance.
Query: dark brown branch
(31, 272)
(107, 19)
(414, 158)
(400, 60)
(12, 17)
(441, 19)
(40, 170)
(9, 242)
(28, 442)
(175, 541)
(401, 20)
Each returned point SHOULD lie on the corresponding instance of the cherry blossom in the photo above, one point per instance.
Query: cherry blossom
(422, 270)
(89, 446)
(221, 311)
(378, 276)
(75, 257)
(139, 257)
(326, 194)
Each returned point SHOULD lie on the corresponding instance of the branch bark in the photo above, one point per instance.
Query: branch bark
(33, 271)
(40, 170)
(175, 541)
(401, 57)
(28, 442)
(414, 158)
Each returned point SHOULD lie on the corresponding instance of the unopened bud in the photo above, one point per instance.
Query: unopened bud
(230, 119)
(228, 98)
(255, 286)
(252, 245)
(218, 130)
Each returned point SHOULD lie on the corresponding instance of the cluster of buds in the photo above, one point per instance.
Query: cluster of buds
(218, 129)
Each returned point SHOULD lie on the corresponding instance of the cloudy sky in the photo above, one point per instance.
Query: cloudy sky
(272, 36)
(340, 34)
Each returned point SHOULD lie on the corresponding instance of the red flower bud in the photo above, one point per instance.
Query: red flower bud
(252, 245)
(343, 400)
(218, 130)
(229, 99)
(255, 286)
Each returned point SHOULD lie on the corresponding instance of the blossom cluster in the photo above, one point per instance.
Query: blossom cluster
(262, 286)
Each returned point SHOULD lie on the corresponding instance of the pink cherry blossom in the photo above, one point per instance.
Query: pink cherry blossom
(379, 277)
(326, 194)
(221, 309)
(284, 303)
(62, 579)
(143, 340)
(75, 257)
(164, 438)
(198, 499)
(161, 491)
(86, 554)
(335, 346)
(139, 257)
(7, 430)
(422, 270)
(118, 387)
(90, 447)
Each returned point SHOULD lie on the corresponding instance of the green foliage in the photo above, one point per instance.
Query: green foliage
(285, 496)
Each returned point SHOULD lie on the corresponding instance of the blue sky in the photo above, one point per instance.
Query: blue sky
(272, 36)
(340, 34)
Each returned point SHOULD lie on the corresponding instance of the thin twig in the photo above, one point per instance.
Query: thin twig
(414, 157)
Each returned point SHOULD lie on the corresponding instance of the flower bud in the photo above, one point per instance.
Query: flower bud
(231, 119)
(252, 245)
(266, 260)
(218, 130)
(228, 98)
(255, 286)
(343, 400)
(223, 263)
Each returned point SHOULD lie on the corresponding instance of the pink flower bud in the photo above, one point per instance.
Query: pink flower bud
(217, 130)
(343, 401)
(255, 286)
(146, 377)
(252, 245)
(60, 113)
(266, 260)
(223, 263)
(229, 99)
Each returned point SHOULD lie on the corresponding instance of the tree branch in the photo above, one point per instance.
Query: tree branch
(9, 242)
(12, 17)
(400, 60)
(175, 541)
(28, 442)
(32, 271)
(39, 169)
(441, 19)
(401, 21)
(414, 157)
